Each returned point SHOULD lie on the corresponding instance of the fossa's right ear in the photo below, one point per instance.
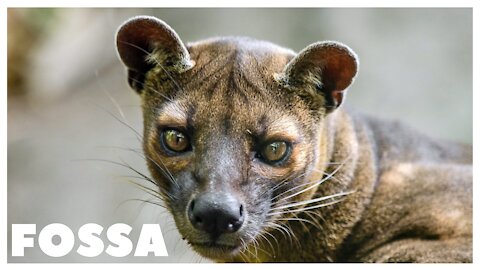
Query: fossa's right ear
(144, 42)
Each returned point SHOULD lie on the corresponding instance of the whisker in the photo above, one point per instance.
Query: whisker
(339, 179)
(311, 214)
(306, 208)
(273, 225)
(150, 202)
(270, 243)
(251, 253)
(316, 183)
(283, 183)
(298, 219)
(243, 256)
(121, 148)
(138, 135)
(271, 235)
(285, 229)
(163, 169)
(120, 164)
(148, 190)
(294, 236)
(313, 200)
(254, 244)
(115, 103)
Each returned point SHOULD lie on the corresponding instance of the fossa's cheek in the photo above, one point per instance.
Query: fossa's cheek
(295, 165)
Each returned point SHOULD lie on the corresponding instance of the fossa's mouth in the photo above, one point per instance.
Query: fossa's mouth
(213, 249)
(214, 245)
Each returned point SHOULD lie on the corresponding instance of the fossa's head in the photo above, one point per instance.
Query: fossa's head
(231, 127)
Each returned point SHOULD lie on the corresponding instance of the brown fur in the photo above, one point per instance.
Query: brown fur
(409, 197)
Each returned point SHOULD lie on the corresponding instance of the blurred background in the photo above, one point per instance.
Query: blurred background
(68, 94)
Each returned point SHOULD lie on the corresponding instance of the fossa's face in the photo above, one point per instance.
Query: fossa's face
(232, 140)
(231, 129)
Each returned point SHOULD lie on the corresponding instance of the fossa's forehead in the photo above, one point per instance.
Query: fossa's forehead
(217, 114)
(252, 60)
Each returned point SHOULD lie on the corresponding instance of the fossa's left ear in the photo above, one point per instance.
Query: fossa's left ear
(325, 68)
(144, 42)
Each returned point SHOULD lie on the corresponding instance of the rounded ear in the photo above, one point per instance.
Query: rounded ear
(144, 42)
(325, 68)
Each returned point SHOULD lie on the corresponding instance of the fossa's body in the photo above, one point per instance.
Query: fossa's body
(257, 161)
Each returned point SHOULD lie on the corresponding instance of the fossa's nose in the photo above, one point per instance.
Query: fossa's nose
(216, 213)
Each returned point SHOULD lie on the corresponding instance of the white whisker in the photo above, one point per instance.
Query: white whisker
(313, 200)
(306, 208)
(318, 182)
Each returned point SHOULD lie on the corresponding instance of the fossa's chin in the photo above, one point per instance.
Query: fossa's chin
(217, 252)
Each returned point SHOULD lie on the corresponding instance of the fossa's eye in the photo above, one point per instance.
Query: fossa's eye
(275, 152)
(175, 141)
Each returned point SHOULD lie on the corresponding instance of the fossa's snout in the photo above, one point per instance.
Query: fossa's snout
(216, 213)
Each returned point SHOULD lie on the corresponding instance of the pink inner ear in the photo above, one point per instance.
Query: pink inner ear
(339, 69)
(331, 63)
(334, 64)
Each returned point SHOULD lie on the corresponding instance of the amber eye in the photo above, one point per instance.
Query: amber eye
(175, 140)
(275, 152)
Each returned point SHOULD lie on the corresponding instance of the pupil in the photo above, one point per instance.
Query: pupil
(275, 148)
(175, 140)
(275, 151)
